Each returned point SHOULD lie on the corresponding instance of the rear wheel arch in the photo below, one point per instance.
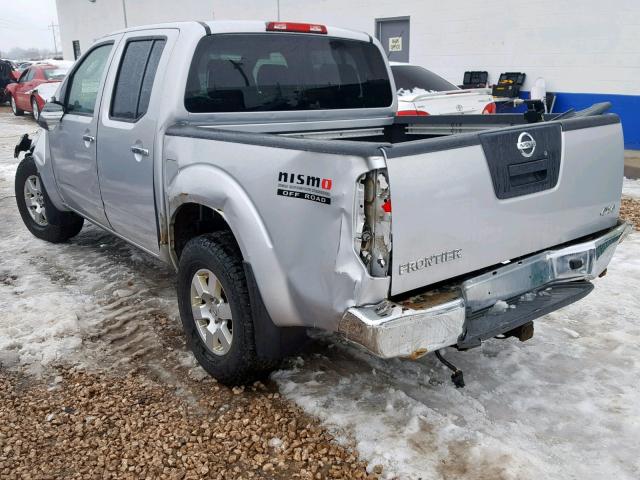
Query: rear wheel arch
(193, 219)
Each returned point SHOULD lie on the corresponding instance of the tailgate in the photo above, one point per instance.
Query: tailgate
(467, 202)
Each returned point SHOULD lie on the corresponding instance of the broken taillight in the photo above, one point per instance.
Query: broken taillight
(296, 27)
(373, 222)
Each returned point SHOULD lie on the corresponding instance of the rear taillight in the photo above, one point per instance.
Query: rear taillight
(296, 27)
(412, 113)
(373, 222)
(489, 109)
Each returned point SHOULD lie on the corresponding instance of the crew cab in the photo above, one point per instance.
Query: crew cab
(271, 171)
(422, 92)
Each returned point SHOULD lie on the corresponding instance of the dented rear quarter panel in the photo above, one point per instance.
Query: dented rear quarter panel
(301, 251)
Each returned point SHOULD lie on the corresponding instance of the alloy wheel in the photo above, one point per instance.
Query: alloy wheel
(211, 312)
(34, 199)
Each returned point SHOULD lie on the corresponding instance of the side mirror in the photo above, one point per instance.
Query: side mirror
(51, 115)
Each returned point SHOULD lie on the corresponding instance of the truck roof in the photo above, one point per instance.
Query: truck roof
(238, 26)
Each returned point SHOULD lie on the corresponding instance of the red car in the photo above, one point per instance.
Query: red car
(24, 95)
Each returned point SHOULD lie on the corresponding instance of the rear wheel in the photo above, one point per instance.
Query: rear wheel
(35, 109)
(16, 111)
(38, 214)
(216, 311)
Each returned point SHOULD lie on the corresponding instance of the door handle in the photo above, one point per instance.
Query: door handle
(88, 138)
(140, 151)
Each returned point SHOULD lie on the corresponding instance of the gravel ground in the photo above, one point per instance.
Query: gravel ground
(81, 425)
(630, 210)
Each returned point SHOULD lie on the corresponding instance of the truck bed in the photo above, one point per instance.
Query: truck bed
(465, 199)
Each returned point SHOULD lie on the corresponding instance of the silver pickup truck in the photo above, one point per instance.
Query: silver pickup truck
(265, 162)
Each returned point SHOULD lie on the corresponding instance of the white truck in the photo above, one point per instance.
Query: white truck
(265, 162)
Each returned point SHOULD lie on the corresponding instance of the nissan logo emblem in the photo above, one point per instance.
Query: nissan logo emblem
(526, 144)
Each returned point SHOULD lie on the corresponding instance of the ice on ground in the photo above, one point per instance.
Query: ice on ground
(55, 297)
(565, 404)
(631, 187)
(571, 333)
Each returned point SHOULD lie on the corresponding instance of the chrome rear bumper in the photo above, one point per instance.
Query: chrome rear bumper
(431, 321)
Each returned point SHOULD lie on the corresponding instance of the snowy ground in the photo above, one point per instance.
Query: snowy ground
(565, 404)
(631, 187)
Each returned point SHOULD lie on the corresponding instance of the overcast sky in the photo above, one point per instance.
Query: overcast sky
(25, 23)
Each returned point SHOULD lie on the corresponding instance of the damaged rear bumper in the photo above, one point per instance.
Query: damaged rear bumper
(466, 315)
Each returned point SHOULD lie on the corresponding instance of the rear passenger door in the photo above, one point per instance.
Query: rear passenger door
(128, 135)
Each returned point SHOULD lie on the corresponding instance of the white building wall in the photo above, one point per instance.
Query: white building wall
(581, 46)
(86, 20)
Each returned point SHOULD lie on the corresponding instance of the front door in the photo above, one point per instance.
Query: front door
(73, 142)
(128, 135)
(393, 34)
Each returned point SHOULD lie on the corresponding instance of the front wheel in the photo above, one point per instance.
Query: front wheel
(38, 213)
(16, 111)
(215, 309)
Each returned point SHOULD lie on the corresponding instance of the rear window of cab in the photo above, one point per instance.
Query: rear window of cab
(283, 71)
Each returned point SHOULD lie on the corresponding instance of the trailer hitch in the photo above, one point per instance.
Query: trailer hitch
(456, 377)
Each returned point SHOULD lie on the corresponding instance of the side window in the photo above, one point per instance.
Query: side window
(85, 82)
(134, 82)
(25, 76)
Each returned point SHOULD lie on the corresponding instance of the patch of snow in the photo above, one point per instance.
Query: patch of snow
(631, 187)
(499, 307)
(123, 293)
(550, 407)
(414, 92)
(275, 443)
(47, 90)
(571, 333)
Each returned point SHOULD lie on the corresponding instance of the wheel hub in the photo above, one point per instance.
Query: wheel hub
(34, 199)
(211, 312)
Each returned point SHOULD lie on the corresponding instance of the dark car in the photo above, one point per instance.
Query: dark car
(6, 77)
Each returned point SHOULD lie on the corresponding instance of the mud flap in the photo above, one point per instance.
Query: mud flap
(523, 309)
(272, 342)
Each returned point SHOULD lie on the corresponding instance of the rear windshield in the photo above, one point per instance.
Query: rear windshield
(55, 73)
(410, 78)
(275, 72)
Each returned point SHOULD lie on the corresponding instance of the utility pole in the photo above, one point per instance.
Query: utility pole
(278, 2)
(124, 13)
(55, 42)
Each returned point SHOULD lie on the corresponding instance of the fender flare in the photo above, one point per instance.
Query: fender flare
(212, 187)
(42, 158)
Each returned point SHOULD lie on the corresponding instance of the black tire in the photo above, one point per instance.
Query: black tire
(16, 111)
(35, 109)
(219, 253)
(59, 226)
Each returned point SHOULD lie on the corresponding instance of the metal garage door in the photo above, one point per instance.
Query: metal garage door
(393, 33)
